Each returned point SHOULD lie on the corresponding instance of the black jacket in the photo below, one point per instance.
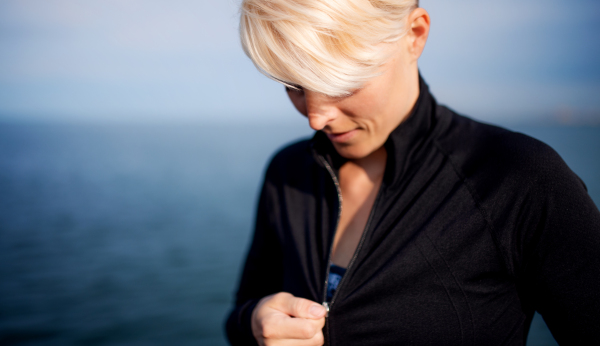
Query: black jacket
(473, 229)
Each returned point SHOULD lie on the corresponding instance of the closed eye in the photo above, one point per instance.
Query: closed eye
(296, 88)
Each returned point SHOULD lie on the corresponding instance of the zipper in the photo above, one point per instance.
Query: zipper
(339, 193)
(328, 305)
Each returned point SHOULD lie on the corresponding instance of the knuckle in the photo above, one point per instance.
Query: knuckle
(271, 327)
(282, 297)
(319, 340)
(307, 331)
(301, 305)
(268, 332)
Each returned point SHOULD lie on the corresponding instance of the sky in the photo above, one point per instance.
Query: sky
(180, 61)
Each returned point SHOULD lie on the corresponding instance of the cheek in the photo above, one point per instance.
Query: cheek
(366, 111)
(298, 100)
(376, 110)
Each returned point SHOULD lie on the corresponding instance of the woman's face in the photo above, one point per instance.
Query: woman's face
(359, 124)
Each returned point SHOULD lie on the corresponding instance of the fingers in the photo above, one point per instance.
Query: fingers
(298, 307)
(282, 319)
(281, 326)
(317, 340)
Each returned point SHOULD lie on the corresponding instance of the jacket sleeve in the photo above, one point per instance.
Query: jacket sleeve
(561, 253)
(262, 273)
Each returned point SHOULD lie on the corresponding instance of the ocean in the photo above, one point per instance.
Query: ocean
(135, 234)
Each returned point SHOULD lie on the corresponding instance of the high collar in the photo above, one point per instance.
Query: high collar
(403, 144)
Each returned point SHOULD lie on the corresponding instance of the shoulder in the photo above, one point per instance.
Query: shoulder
(488, 155)
(529, 197)
(290, 161)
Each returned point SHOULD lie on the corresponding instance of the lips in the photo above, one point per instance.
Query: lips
(341, 137)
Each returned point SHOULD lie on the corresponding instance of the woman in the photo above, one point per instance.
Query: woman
(402, 222)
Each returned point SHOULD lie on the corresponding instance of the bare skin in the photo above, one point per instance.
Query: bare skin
(360, 180)
(358, 126)
(282, 319)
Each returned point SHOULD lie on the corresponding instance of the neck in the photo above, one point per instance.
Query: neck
(412, 90)
(373, 164)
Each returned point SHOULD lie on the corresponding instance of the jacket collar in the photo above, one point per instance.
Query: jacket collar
(404, 143)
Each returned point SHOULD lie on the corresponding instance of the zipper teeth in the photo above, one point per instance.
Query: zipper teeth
(329, 304)
(358, 247)
(339, 193)
(326, 304)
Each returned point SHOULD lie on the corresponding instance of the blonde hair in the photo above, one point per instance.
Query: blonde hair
(328, 46)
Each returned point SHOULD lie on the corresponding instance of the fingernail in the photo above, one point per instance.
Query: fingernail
(316, 310)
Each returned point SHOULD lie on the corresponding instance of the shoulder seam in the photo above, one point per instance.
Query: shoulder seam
(480, 208)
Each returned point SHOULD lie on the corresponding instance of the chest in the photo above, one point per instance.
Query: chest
(358, 196)
(427, 269)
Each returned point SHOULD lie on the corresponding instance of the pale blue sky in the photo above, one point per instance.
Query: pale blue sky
(180, 61)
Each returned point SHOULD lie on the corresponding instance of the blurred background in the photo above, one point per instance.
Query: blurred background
(133, 137)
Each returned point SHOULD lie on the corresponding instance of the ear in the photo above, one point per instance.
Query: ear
(418, 23)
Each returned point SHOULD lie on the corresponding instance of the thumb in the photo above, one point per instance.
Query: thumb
(303, 308)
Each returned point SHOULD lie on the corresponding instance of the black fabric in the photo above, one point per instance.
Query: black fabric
(474, 228)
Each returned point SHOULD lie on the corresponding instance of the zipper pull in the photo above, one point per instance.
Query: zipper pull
(326, 306)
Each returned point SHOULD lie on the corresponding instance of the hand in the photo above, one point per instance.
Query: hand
(282, 319)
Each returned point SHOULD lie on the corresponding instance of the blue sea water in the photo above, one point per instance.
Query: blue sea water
(134, 234)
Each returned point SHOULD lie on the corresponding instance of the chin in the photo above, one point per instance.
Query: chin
(352, 152)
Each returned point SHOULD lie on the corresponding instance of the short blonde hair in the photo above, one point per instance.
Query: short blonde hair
(328, 46)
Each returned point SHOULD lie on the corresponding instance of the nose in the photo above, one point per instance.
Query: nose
(320, 110)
